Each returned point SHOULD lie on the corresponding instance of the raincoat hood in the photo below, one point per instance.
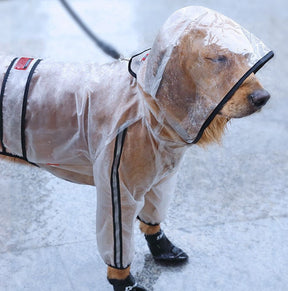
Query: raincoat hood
(198, 60)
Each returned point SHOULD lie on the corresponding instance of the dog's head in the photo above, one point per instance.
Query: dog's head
(202, 65)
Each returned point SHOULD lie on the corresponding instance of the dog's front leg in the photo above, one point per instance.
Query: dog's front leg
(122, 280)
(149, 229)
(117, 209)
(117, 274)
(152, 214)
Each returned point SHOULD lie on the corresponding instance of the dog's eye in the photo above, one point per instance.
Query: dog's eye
(218, 59)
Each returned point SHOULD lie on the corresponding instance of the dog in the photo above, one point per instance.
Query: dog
(126, 134)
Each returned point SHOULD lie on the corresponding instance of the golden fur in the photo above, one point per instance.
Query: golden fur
(214, 132)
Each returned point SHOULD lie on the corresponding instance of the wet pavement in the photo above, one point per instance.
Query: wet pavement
(230, 210)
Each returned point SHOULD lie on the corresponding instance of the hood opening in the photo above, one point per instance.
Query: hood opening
(254, 70)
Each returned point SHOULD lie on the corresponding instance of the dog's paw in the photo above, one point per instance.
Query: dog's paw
(128, 284)
(163, 250)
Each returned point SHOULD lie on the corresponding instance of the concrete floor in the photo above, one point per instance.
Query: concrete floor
(230, 210)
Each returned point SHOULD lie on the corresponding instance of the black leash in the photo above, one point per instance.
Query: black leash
(108, 49)
(105, 47)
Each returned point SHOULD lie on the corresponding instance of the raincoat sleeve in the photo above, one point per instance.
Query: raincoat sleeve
(157, 200)
(117, 209)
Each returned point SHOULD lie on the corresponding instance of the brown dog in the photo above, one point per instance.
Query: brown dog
(100, 126)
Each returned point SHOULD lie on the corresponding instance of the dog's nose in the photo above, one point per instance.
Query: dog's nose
(259, 97)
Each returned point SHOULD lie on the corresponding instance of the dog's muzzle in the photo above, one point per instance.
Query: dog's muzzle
(259, 98)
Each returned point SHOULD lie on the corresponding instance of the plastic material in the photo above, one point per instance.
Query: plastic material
(98, 125)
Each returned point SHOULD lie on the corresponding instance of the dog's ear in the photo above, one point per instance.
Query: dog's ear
(178, 77)
(176, 92)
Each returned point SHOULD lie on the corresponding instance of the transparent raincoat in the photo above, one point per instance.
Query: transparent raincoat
(99, 125)
(209, 37)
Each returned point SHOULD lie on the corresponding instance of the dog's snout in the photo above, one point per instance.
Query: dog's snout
(259, 97)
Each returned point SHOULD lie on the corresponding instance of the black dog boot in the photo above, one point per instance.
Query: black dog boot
(163, 250)
(127, 284)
